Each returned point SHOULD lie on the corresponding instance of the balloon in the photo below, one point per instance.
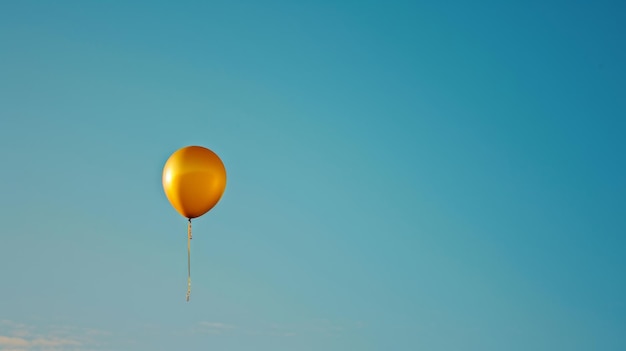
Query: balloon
(194, 179)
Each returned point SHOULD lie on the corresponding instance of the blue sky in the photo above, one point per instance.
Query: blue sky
(439, 175)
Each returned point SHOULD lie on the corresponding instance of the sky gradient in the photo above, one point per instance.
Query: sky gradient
(440, 175)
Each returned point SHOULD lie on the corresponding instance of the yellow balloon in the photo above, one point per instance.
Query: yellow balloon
(194, 179)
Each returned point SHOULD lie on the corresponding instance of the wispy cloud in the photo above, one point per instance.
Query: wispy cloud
(213, 327)
(40, 341)
(315, 327)
(19, 336)
(320, 327)
(13, 342)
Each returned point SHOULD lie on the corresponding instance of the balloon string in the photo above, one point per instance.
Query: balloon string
(188, 259)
